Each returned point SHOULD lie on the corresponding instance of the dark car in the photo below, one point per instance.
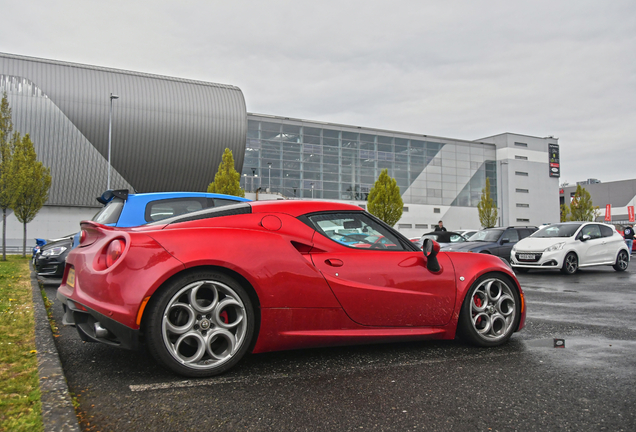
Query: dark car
(51, 258)
(496, 241)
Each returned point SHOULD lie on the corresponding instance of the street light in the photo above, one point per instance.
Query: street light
(312, 190)
(110, 124)
(269, 165)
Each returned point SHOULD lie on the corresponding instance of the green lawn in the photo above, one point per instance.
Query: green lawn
(20, 408)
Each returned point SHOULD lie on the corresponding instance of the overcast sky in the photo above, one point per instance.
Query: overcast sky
(460, 69)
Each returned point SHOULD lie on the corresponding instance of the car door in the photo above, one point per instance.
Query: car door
(611, 242)
(593, 250)
(381, 284)
(506, 242)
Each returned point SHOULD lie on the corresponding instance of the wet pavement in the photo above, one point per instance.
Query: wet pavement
(528, 384)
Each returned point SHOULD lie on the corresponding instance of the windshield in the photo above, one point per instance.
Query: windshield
(487, 235)
(110, 213)
(557, 230)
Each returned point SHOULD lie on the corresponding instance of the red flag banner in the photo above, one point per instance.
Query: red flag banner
(608, 213)
(630, 213)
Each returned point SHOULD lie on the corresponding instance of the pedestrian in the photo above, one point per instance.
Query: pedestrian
(440, 226)
(629, 237)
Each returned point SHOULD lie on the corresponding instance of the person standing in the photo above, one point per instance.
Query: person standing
(440, 226)
(629, 237)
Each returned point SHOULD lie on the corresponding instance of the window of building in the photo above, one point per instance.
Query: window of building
(520, 144)
(522, 190)
(521, 173)
(523, 220)
(436, 210)
(421, 226)
(405, 209)
(523, 205)
(405, 226)
(521, 157)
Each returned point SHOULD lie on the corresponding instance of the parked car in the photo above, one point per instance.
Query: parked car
(444, 237)
(122, 209)
(50, 259)
(495, 241)
(204, 289)
(569, 246)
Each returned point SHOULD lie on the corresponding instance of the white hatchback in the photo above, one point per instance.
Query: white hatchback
(569, 246)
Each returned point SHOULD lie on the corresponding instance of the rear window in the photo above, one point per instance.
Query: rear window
(110, 213)
(162, 209)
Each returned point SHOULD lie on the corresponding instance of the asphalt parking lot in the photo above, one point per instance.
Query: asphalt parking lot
(527, 385)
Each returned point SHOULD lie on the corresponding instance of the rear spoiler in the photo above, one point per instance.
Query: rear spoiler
(110, 194)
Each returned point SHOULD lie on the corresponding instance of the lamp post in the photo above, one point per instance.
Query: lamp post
(110, 127)
(312, 190)
(269, 180)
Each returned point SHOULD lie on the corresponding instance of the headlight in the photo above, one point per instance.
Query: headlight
(58, 250)
(555, 247)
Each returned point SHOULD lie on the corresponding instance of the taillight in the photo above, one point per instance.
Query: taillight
(114, 251)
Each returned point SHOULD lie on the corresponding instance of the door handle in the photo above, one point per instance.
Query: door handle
(334, 262)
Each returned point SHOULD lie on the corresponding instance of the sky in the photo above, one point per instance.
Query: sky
(463, 69)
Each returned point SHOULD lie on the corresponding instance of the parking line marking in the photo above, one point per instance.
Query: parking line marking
(252, 378)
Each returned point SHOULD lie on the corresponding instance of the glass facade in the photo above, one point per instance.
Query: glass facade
(299, 159)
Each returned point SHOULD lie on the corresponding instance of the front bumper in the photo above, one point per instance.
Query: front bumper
(542, 260)
(92, 326)
(50, 266)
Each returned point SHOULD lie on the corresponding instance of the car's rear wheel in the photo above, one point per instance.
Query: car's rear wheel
(570, 264)
(201, 324)
(622, 261)
(491, 311)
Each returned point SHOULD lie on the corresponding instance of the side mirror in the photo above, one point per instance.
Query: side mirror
(504, 241)
(431, 249)
(585, 237)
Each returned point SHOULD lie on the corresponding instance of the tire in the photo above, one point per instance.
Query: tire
(200, 325)
(622, 261)
(570, 264)
(491, 311)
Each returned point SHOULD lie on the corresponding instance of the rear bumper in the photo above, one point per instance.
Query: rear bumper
(93, 326)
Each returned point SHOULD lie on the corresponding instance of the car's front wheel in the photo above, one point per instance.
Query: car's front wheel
(570, 264)
(200, 325)
(491, 311)
(622, 261)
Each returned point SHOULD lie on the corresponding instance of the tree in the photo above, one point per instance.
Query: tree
(227, 179)
(565, 212)
(30, 182)
(384, 200)
(486, 207)
(581, 207)
(6, 127)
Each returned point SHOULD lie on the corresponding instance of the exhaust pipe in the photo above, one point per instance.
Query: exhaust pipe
(100, 331)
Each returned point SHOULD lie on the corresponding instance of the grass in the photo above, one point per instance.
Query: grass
(20, 408)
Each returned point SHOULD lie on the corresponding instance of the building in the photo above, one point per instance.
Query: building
(169, 134)
(618, 194)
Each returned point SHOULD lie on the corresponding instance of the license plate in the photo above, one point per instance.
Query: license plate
(70, 279)
(526, 256)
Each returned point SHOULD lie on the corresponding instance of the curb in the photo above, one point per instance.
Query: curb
(58, 413)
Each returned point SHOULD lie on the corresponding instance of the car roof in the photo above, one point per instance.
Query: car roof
(154, 196)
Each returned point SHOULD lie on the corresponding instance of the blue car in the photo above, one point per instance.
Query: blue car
(122, 209)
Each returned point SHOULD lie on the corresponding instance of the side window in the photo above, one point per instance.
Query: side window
(110, 213)
(606, 231)
(592, 230)
(524, 232)
(456, 238)
(161, 209)
(356, 230)
(512, 235)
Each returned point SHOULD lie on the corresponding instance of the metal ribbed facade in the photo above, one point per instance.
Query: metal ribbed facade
(168, 134)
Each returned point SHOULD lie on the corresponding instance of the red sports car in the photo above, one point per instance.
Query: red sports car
(204, 289)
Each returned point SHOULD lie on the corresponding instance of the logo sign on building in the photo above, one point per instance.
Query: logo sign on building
(630, 213)
(608, 212)
(555, 166)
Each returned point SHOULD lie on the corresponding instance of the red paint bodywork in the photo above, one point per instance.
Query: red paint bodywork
(308, 290)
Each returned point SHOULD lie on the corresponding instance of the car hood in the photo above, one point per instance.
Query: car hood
(463, 247)
(538, 244)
